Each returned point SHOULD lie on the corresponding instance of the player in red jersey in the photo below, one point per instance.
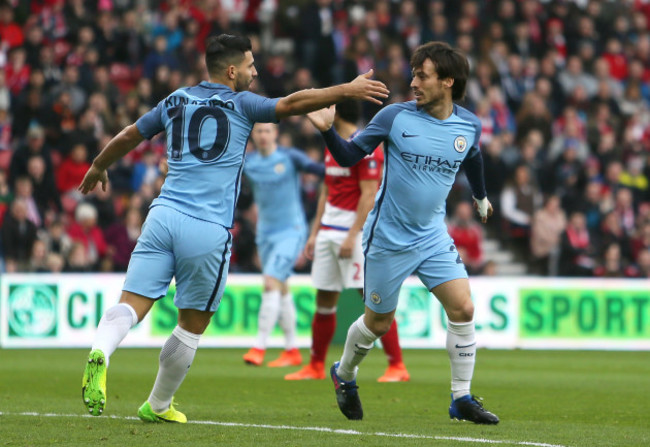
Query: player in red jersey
(334, 244)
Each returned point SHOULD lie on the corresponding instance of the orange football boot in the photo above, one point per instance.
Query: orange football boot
(289, 357)
(395, 373)
(254, 356)
(311, 371)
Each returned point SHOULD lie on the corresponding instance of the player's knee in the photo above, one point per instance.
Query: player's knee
(326, 298)
(461, 312)
(379, 327)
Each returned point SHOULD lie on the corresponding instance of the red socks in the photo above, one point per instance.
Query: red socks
(390, 342)
(323, 328)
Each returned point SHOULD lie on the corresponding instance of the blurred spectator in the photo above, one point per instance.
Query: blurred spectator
(519, 199)
(145, 171)
(592, 205)
(576, 248)
(643, 264)
(611, 231)
(11, 34)
(571, 137)
(624, 207)
(5, 195)
(467, 235)
(613, 265)
(56, 239)
(5, 135)
(170, 30)
(533, 115)
(38, 258)
(5, 102)
(24, 190)
(161, 56)
(316, 44)
(121, 238)
(275, 77)
(17, 71)
(18, 236)
(70, 84)
(546, 229)
(641, 241)
(496, 174)
(77, 260)
(55, 263)
(105, 204)
(45, 193)
(84, 230)
(575, 76)
(72, 170)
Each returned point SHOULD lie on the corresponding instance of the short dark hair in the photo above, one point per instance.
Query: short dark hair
(224, 50)
(349, 110)
(448, 63)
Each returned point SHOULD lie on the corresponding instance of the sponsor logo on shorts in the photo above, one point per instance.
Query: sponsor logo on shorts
(460, 144)
(375, 298)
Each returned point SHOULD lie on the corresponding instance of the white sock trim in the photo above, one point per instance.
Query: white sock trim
(465, 328)
(134, 315)
(361, 324)
(326, 310)
(186, 337)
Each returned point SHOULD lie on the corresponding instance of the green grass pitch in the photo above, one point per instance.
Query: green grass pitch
(547, 398)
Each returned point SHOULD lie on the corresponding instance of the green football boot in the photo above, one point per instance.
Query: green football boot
(146, 414)
(93, 384)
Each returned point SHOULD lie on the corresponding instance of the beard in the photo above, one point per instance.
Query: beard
(242, 84)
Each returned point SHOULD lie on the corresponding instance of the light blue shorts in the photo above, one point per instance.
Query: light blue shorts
(279, 251)
(386, 270)
(195, 251)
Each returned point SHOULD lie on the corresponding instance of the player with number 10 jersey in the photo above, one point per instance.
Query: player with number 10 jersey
(186, 233)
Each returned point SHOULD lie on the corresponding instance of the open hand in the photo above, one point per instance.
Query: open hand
(92, 177)
(367, 89)
(309, 248)
(322, 119)
(347, 248)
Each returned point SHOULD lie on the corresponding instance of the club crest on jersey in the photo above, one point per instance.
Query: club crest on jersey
(279, 168)
(372, 164)
(375, 298)
(460, 144)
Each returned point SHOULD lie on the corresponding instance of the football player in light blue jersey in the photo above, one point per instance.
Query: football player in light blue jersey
(186, 234)
(281, 233)
(426, 141)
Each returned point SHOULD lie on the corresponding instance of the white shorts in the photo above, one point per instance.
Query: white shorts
(329, 271)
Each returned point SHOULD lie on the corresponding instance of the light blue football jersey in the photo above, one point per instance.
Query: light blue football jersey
(276, 187)
(422, 156)
(207, 129)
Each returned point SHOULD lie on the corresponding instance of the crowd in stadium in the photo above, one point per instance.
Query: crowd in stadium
(562, 89)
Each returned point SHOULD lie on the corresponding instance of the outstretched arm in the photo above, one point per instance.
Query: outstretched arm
(305, 101)
(119, 146)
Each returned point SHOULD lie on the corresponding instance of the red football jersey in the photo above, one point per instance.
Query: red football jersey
(343, 190)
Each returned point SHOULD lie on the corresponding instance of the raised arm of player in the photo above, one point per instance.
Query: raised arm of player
(119, 146)
(366, 202)
(315, 226)
(305, 101)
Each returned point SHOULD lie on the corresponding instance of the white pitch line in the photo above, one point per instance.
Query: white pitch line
(315, 429)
